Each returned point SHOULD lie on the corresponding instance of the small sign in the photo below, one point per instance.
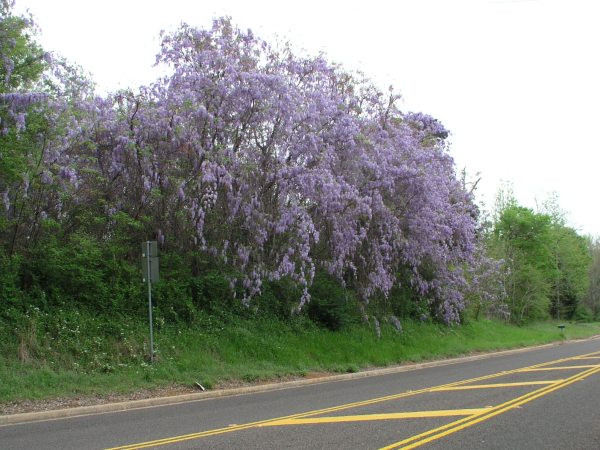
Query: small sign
(150, 247)
(150, 261)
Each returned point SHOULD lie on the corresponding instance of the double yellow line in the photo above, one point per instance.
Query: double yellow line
(438, 433)
(413, 441)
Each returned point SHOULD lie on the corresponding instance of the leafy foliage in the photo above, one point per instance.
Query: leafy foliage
(332, 306)
(546, 263)
(255, 168)
(267, 164)
(592, 298)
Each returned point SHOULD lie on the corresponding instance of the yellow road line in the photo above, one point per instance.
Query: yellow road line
(494, 385)
(544, 369)
(175, 439)
(502, 409)
(230, 429)
(372, 417)
(438, 433)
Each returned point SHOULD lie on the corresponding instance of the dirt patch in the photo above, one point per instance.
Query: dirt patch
(312, 375)
(23, 406)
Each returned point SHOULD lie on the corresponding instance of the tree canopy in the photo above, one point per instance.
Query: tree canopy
(267, 165)
(547, 263)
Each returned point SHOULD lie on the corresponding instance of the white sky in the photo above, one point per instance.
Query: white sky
(516, 81)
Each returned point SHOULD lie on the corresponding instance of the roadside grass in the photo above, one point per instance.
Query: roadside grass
(100, 356)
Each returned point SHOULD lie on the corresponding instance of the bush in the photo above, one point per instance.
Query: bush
(403, 301)
(10, 292)
(583, 314)
(330, 305)
(277, 300)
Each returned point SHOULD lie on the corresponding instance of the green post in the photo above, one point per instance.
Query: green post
(149, 277)
(150, 269)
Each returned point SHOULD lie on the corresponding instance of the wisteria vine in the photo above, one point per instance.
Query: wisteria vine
(268, 162)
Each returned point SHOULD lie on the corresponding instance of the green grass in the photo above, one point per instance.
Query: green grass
(52, 357)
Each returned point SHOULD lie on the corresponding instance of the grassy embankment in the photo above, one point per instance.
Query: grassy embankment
(85, 355)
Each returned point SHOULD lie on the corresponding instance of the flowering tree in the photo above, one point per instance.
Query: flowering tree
(21, 65)
(274, 164)
(269, 163)
(43, 100)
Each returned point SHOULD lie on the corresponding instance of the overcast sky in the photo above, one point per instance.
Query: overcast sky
(517, 82)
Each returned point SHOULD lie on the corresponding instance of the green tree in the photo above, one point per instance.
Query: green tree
(22, 58)
(592, 298)
(571, 264)
(547, 262)
(522, 239)
(40, 119)
(21, 67)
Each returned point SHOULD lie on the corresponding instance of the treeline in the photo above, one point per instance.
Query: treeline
(274, 183)
(546, 266)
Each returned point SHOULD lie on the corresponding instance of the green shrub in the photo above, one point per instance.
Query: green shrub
(277, 300)
(331, 306)
(10, 292)
(583, 314)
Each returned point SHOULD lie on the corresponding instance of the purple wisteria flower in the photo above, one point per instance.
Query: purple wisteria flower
(272, 164)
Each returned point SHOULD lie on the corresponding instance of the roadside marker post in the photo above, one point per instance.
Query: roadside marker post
(150, 272)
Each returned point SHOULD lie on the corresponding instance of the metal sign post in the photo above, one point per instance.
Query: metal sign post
(150, 270)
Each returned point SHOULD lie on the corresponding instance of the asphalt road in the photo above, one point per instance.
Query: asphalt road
(539, 399)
